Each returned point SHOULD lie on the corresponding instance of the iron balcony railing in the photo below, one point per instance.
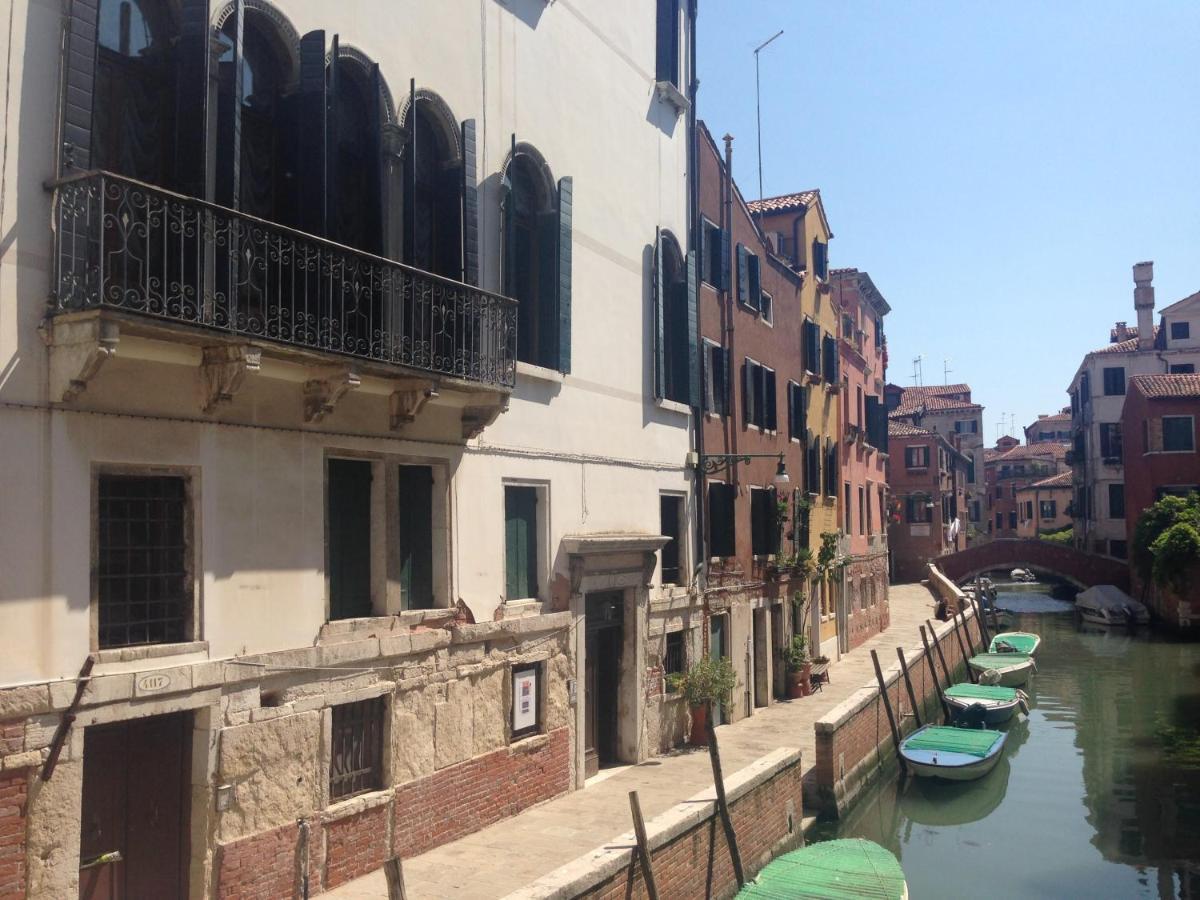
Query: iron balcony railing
(128, 246)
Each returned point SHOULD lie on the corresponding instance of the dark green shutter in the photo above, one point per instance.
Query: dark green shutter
(191, 99)
(743, 273)
(415, 536)
(520, 542)
(332, 134)
(309, 134)
(470, 205)
(349, 538)
(754, 282)
(375, 194)
(566, 202)
(508, 272)
(724, 271)
(693, 339)
(545, 354)
(770, 403)
(229, 115)
(79, 90)
(658, 288)
(747, 394)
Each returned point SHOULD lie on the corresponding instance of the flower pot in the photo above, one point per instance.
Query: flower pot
(800, 683)
(699, 736)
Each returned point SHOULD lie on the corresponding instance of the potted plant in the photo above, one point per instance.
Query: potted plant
(710, 680)
(799, 666)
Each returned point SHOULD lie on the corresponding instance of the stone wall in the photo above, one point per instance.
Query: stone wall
(866, 579)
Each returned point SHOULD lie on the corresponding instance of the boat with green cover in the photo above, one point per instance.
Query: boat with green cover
(845, 869)
(1015, 642)
(1010, 669)
(956, 754)
(999, 703)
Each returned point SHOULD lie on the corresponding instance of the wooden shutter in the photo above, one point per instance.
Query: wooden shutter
(377, 210)
(470, 204)
(660, 298)
(743, 273)
(308, 131)
(770, 414)
(754, 282)
(508, 237)
(349, 538)
(666, 63)
(191, 99)
(332, 134)
(545, 354)
(693, 338)
(79, 87)
(520, 542)
(415, 536)
(724, 271)
(566, 203)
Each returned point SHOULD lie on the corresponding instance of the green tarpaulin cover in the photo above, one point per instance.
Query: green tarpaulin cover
(1019, 639)
(997, 660)
(967, 691)
(972, 741)
(832, 870)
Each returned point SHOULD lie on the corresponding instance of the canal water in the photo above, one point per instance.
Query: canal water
(1099, 791)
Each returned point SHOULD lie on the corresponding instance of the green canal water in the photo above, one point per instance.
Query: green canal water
(1099, 791)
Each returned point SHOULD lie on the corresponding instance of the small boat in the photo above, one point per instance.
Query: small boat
(1106, 604)
(850, 867)
(1015, 642)
(1011, 669)
(956, 754)
(1022, 575)
(999, 703)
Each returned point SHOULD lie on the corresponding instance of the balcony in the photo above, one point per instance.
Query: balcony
(141, 257)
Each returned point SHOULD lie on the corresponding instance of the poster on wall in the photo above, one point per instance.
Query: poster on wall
(525, 700)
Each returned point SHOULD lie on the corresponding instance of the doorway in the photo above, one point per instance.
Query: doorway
(762, 659)
(605, 636)
(717, 631)
(134, 831)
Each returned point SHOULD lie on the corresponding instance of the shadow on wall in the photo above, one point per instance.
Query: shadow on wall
(662, 115)
(528, 11)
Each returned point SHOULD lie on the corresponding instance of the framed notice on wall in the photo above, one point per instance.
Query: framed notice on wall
(525, 684)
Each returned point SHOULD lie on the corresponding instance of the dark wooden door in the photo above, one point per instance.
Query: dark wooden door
(416, 536)
(602, 679)
(134, 833)
(349, 538)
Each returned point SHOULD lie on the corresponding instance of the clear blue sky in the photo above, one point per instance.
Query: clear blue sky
(997, 168)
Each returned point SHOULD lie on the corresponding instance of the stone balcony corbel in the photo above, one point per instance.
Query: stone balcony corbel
(408, 399)
(78, 348)
(477, 418)
(322, 395)
(223, 368)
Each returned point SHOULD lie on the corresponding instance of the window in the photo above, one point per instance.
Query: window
(749, 286)
(1110, 441)
(666, 57)
(356, 757)
(520, 542)
(1012, 520)
(766, 308)
(144, 582)
(674, 306)
(758, 396)
(847, 511)
(764, 533)
(999, 492)
(831, 468)
(1116, 501)
(797, 410)
(829, 359)
(526, 700)
(1048, 509)
(671, 519)
(1183, 368)
(415, 536)
(916, 457)
(432, 198)
(999, 521)
(675, 655)
(1177, 435)
(1028, 509)
(1114, 381)
(348, 537)
(714, 266)
(966, 426)
(721, 498)
(1119, 549)
(862, 510)
(1014, 489)
(820, 255)
(716, 379)
(812, 464)
(917, 509)
(1180, 331)
(811, 347)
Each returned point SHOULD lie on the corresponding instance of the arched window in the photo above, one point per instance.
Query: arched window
(355, 133)
(530, 215)
(432, 191)
(676, 353)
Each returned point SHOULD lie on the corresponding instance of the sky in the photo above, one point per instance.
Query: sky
(996, 168)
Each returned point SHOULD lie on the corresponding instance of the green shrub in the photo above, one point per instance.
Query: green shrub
(710, 680)
(797, 653)
(1175, 551)
(1064, 536)
(1152, 525)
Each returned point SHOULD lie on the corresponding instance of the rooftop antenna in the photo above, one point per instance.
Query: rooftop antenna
(917, 376)
(946, 370)
(758, 107)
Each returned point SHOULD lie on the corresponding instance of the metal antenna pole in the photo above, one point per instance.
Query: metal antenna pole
(758, 107)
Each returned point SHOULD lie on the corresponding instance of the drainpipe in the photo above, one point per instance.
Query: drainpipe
(698, 480)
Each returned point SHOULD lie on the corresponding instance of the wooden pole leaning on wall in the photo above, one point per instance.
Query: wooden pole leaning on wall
(887, 705)
(714, 757)
(643, 846)
(912, 695)
(937, 684)
(984, 635)
(963, 649)
(937, 645)
(393, 872)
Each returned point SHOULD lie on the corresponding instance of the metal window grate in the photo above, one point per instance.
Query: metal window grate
(673, 659)
(355, 764)
(143, 585)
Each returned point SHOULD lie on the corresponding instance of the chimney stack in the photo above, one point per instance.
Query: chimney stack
(1143, 303)
(1120, 333)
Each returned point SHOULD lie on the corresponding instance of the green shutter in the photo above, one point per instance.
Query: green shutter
(470, 205)
(545, 354)
(191, 99)
(770, 403)
(508, 238)
(415, 530)
(754, 282)
(566, 203)
(660, 298)
(80, 77)
(693, 339)
(332, 128)
(743, 273)
(724, 271)
(349, 538)
(520, 542)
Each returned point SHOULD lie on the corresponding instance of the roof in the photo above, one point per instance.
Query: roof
(903, 429)
(1126, 346)
(1055, 417)
(926, 390)
(866, 288)
(1033, 451)
(1157, 387)
(1179, 304)
(784, 202)
(924, 405)
(1061, 480)
(991, 453)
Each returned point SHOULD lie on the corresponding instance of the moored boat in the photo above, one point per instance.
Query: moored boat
(999, 703)
(1015, 642)
(1011, 669)
(1107, 604)
(850, 867)
(956, 754)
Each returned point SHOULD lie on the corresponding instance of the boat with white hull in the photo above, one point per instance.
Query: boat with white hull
(1107, 604)
(955, 754)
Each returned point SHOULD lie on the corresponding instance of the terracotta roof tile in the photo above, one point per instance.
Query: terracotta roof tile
(1126, 346)
(1061, 480)
(798, 200)
(910, 405)
(903, 429)
(938, 389)
(1157, 386)
(1032, 451)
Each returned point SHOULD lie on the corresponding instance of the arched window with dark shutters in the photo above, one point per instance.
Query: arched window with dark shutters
(432, 190)
(355, 167)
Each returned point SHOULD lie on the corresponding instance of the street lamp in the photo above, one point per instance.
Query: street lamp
(711, 462)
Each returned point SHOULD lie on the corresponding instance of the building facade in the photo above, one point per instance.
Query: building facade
(864, 448)
(1044, 506)
(1054, 428)
(1097, 396)
(344, 483)
(1010, 470)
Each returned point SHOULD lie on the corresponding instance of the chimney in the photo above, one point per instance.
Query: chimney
(1143, 302)
(1120, 333)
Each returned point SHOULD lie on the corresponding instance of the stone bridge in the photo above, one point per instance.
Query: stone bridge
(1043, 557)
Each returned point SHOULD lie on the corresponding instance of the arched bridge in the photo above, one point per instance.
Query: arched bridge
(1080, 568)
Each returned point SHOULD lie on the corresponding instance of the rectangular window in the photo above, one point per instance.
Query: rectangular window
(670, 524)
(144, 583)
(716, 379)
(520, 542)
(666, 62)
(415, 536)
(820, 253)
(862, 510)
(917, 509)
(356, 758)
(1183, 368)
(348, 527)
(526, 700)
(829, 359)
(849, 523)
(1116, 501)
(721, 499)
(1180, 331)
(766, 308)
(711, 263)
(1012, 520)
(1119, 549)
(999, 521)
(811, 347)
(763, 531)
(1110, 441)
(675, 655)
(1048, 509)
(758, 394)
(1177, 435)
(999, 492)
(916, 457)
(796, 411)
(1114, 381)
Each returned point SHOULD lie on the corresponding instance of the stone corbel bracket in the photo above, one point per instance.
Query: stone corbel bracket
(321, 395)
(78, 348)
(477, 418)
(222, 371)
(408, 400)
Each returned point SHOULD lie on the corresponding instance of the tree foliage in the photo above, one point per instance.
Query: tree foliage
(1166, 540)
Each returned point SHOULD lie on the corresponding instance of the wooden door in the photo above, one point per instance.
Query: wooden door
(416, 536)
(349, 538)
(591, 760)
(134, 832)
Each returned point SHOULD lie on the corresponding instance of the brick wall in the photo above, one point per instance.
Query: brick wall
(266, 865)
(459, 800)
(14, 787)
(356, 845)
(696, 863)
(867, 620)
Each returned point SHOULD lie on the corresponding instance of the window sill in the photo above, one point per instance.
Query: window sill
(1167, 452)
(340, 809)
(150, 651)
(672, 96)
(673, 406)
(529, 743)
(539, 373)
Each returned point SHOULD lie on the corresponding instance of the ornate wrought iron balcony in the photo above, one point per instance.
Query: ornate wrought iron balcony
(134, 248)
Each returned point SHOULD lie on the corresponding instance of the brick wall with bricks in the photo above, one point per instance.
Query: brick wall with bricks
(14, 788)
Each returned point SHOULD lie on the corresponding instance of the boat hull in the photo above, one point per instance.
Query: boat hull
(1010, 676)
(996, 712)
(949, 765)
(1102, 618)
(1033, 649)
(958, 773)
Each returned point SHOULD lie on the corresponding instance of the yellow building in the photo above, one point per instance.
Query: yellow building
(799, 230)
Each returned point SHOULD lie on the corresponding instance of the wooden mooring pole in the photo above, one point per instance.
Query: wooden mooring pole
(937, 645)
(912, 696)
(963, 649)
(887, 705)
(937, 684)
(643, 846)
(714, 757)
(984, 636)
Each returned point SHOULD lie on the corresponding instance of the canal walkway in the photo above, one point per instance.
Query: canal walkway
(516, 852)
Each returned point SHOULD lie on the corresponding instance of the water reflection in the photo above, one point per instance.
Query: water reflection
(1099, 791)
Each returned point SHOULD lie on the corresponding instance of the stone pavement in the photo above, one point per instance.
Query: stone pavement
(511, 854)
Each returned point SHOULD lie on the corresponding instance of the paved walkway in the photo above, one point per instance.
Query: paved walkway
(519, 850)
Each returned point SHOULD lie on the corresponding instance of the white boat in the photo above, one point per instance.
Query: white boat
(1007, 669)
(996, 704)
(1015, 642)
(1106, 604)
(956, 754)
(1022, 575)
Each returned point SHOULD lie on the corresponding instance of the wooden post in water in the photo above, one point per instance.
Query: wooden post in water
(937, 684)
(714, 757)
(937, 645)
(912, 697)
(963, 649)
(984, 636)
(643, 846)
(887, 705)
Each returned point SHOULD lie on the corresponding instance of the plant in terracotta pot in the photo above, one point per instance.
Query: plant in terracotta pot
(709, 680)
(799, 667)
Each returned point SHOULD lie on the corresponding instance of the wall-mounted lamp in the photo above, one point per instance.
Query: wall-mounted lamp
(711, 462)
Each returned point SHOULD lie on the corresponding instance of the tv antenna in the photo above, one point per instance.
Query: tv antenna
(758, 107)
(946, 370)
(917, 375)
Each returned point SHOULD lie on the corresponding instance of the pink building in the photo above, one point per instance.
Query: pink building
(864, 448)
